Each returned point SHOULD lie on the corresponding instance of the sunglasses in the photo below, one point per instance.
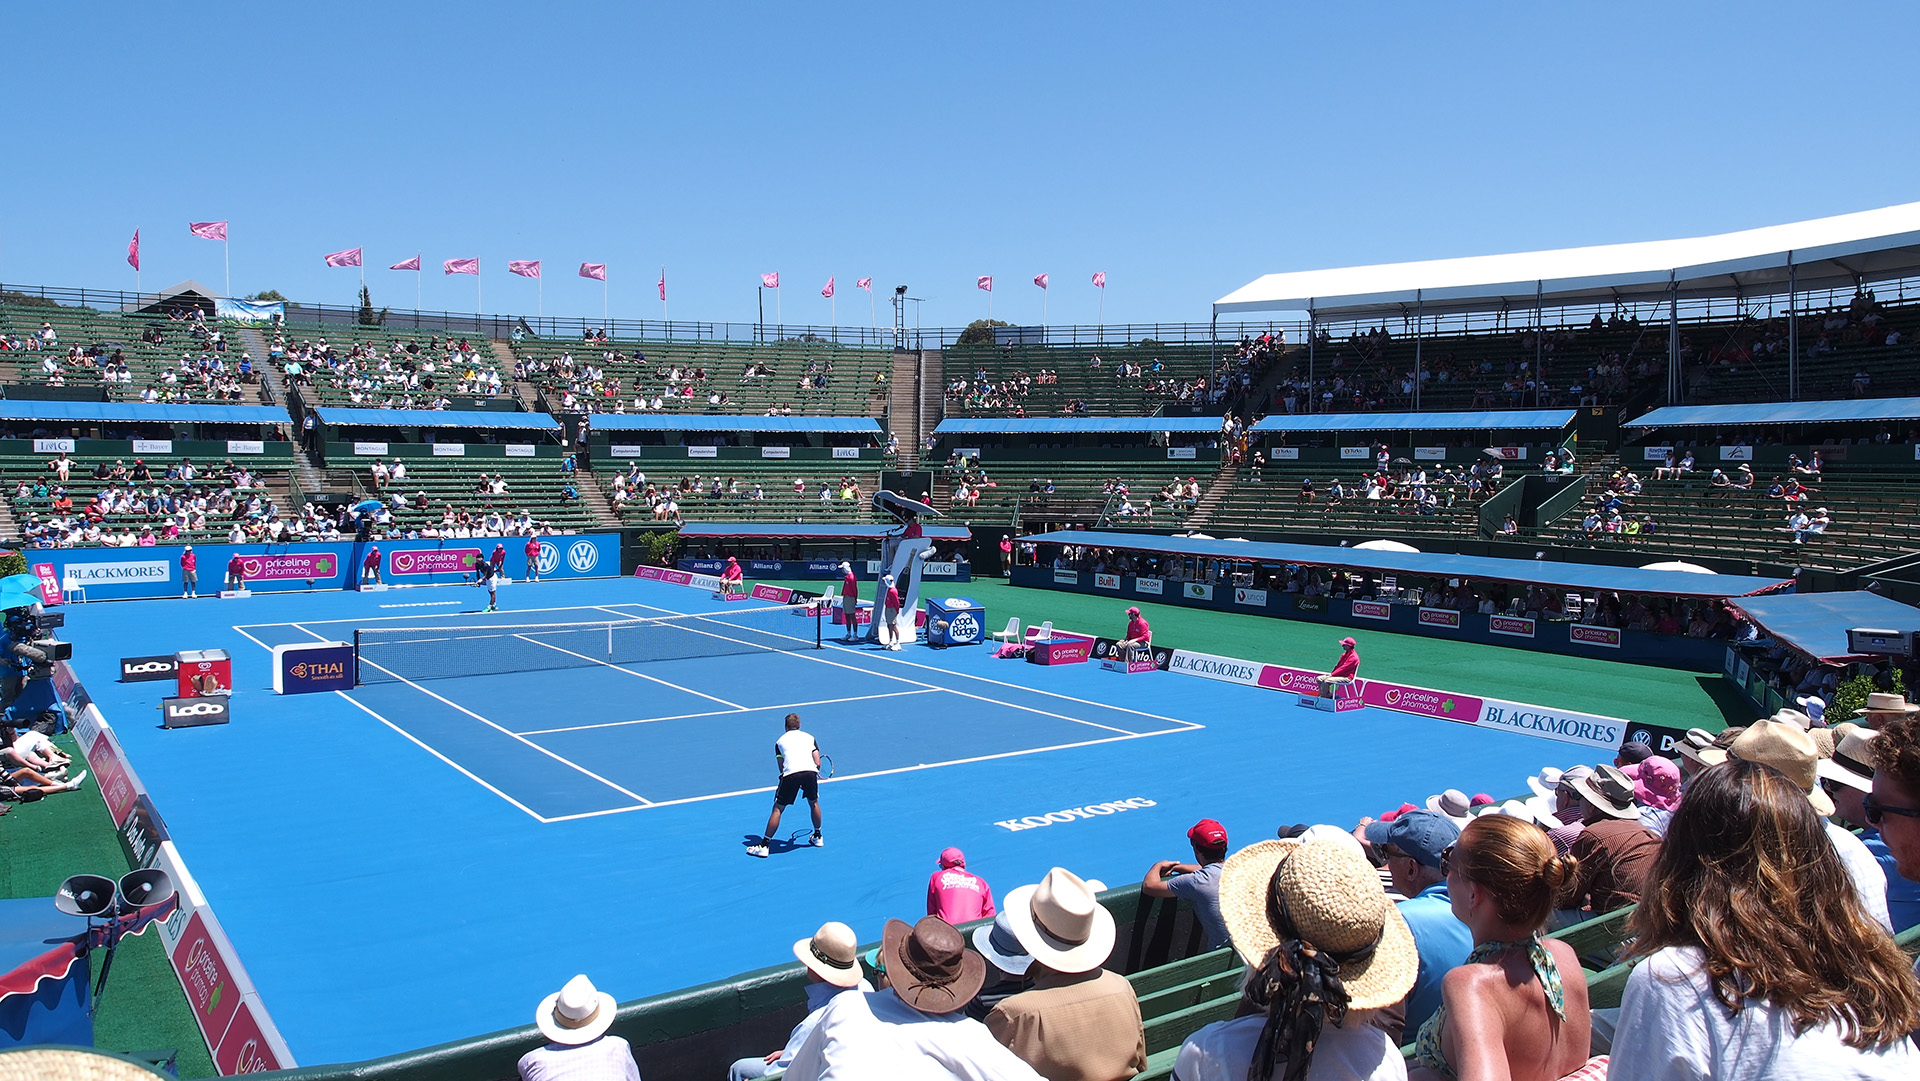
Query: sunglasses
(1446, 860)
(1877, 812)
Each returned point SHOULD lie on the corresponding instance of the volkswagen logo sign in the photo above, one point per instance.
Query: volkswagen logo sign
(549, 558)
(1641, 736)
(582, 556)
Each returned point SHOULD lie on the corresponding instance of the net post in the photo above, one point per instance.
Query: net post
(819, 617)
(356, 656)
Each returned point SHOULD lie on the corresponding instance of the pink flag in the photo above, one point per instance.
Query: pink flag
(526, 268)
(133, 251)
(350, 257)
(828, 291)
(596, 271)
(1040, 280)
(663, 283)
(1100, 278)
(461, 266)
(410, 264)
(984, 281)
(211, 230)
(865, 283)
(771, 281)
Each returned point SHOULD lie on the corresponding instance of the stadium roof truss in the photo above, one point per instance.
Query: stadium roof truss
(1823, 253)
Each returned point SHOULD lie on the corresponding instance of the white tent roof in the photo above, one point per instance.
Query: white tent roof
(1826, 252)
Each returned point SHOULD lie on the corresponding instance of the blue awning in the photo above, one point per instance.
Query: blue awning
(1685, 416)
(438, 418)
(1507, 420)
(135, 412)
(682, 422)
(1431, 564)
(1075, 425)
(799, 531)
(1816, 623)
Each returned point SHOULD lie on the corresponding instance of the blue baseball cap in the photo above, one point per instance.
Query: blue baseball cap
(1420, 834)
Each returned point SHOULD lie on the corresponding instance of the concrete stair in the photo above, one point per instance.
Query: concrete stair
(1210, 499)
(273, 389)
(596, 500)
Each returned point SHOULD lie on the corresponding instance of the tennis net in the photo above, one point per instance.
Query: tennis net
(390, 654)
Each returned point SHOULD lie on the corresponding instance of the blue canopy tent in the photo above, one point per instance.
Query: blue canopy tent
(1510, 420)
(1076, 425)
(679, 422)
(801, 531)
(1716, 416)
(436, 418)
(1582, 576)
(139, 412)
(1816, 624)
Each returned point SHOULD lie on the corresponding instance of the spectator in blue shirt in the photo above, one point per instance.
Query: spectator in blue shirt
(1848, 780)
(1412, 844)
(1198, 883)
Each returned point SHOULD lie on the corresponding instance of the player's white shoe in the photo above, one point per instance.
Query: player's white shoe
(758, 850)
(819, 841)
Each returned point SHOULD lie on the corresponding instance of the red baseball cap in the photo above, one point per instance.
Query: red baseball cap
(1398, 811)
(1207, 833)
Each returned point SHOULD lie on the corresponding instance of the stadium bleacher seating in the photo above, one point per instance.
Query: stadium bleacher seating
(841, 380)
(269, 473)
(151, 347)
(534, 485)
(1078, 484)
(1164, 375)
(775, 478)
(377, 367)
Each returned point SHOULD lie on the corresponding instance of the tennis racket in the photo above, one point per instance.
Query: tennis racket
(826, 766)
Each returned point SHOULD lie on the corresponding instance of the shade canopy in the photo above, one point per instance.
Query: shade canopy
(1074, 425)
(1431, 564)
(437, 418)
(686, 422)
(1825, 253)
(1816, 624)
(139, 412)
(1746, 415)
(1504, 420)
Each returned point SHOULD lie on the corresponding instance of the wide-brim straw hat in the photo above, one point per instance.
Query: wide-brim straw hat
(1791, 751)
(833, 954)
(71, 1064)
(1061, 923)
(1335, 902)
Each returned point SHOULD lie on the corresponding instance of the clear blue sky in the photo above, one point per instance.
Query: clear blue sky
(1182, 149)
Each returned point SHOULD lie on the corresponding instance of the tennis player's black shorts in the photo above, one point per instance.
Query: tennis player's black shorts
(794, 785)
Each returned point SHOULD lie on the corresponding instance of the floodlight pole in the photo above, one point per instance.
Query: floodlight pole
(1419, 327)
(1313, 335)
(1793, 331)
(1539, 328)
(1673, 338)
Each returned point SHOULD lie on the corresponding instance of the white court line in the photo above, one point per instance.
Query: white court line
(628, 671)
(728, 712)
(804, 655)
(1185, 725)
(505, 612)
(503, 730)
(415, 604)
(422, 744)
(874, 773)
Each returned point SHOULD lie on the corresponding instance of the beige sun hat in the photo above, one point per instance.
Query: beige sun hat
(1698, 748)
(1788, 749)
(1608, 790)
(833, 954)
(1334, 901)
(1851, 762)
(1879, 702)
(71, 1064)
(577, 1013)
(1061, 922)
(1452, 804)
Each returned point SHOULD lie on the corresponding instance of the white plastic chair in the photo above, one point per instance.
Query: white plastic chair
(1042, 633)
(1011, 634)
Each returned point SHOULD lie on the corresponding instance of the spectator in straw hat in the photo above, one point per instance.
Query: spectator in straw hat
(1697, 752)
(1883, 709)
(1894, 806)
(915, 1027)
(1518, 1007)
(575, 1020)
(1791, 751)
(1847, 778)
(1614, 850)
(1323, 949)
(1079, 1022)
(832, 962)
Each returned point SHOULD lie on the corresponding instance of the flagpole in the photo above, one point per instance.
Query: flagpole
(539, 298)
(226, 256)
(416, 284)
(479, 303)
(604, 319)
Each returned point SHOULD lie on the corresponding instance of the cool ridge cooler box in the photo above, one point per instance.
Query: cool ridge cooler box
(955, 621)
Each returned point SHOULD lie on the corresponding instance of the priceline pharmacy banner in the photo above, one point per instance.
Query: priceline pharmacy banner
(1566, 726)
(128, 573)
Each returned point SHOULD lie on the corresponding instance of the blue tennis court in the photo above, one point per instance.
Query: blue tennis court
(421, 858)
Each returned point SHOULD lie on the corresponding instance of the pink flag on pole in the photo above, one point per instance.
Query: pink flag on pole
(461, 266)
(410, 264)
(1040, 280)
(211, 230)
(663, 284)
(828, 291)
(350, 257)
(596, 271)
(526, 268)
(984, 281)
(1100, 278)
(133, 251)
(865, 283)
(771, 281)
